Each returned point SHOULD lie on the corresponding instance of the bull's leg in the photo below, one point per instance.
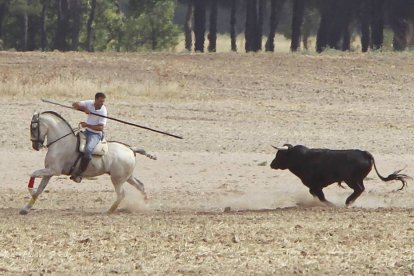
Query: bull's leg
(35, 195)
(320, 195)
(358, 188)
(138, 185)
(120, 194)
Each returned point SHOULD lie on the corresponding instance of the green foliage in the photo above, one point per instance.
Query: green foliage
(123, 25)
(135, 26)
(18, 7)
(151, 28)
(108, 27)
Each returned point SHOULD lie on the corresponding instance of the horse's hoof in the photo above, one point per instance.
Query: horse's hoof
(24, 211)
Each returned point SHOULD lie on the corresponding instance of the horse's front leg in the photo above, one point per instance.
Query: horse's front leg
(43, 173)
(46, 175)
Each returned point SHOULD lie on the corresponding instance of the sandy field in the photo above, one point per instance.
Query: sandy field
(230, 108)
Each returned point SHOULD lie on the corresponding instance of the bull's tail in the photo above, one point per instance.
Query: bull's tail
(143, 152)
(394, 176)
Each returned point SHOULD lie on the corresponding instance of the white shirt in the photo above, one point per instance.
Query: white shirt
(93, 119)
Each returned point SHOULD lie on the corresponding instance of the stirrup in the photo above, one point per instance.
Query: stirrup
(77, 178)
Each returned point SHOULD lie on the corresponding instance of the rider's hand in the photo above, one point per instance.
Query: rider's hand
(83, 124)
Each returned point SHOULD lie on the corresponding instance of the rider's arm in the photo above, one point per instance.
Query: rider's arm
(78, 106)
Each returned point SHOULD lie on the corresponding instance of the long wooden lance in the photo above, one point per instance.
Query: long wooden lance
(115, 119)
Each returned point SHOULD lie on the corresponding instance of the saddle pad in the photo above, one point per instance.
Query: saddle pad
(100, 149)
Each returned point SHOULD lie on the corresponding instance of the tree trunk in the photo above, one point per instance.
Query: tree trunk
(154, 39)
(377, 24)
(365, 19)
(346, 20)
(251, 25)
(275, 11)
(323, 30)
(233, 33)
(32, 32)
(297, 21)
(334, 24)
(188, 26)
(2, 15)
(399, 41)
(399, 13)
(89, 29)
(305, 39)
(346, 39)
(199, 25)
(338, 9)
(62, 26)
(260, 20)
(43, 35)
(76, 12)
(25, 30)
(212, 36)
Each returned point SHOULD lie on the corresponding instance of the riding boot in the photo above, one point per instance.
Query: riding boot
(76, 176)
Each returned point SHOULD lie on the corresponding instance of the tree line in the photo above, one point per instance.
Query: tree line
(337, 22)
(88, 25)
(134, 25)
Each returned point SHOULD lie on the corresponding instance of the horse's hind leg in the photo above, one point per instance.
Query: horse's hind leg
(35, 195)
(120, 194)
(138, 185)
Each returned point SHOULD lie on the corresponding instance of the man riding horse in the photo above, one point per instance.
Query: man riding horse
(94, 130)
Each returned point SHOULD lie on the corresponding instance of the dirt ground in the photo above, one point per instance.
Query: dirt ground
(230, 108)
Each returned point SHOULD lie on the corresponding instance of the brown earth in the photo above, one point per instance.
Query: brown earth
(230, 108)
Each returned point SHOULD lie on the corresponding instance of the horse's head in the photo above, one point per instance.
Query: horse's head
(37, 132)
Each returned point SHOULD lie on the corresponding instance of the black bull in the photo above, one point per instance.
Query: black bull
(318, 168)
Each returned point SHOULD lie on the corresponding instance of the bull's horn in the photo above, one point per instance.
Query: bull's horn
(288, 145)
(282, 148)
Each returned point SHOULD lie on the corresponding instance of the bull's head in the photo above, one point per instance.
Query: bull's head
(281, 160)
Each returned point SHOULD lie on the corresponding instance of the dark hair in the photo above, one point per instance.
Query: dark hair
(99, 95)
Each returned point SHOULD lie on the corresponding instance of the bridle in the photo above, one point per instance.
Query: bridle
(35, 128)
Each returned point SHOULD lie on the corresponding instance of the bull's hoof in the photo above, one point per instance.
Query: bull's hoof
(23, 211)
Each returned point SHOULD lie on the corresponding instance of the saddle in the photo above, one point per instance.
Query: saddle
(100, 149)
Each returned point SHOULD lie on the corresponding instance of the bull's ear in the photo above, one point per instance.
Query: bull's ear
(289, 146)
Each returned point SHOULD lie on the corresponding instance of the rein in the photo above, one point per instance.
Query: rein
(72, 132)
(35, 125)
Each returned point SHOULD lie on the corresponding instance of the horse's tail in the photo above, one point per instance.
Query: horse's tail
(143, 152)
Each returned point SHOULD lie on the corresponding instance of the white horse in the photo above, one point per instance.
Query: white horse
(119, 162)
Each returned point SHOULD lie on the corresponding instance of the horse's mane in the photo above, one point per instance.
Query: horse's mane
(60, 117)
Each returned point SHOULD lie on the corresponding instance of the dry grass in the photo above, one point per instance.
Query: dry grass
(68, 85)
(54, 76)
(223, 44)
